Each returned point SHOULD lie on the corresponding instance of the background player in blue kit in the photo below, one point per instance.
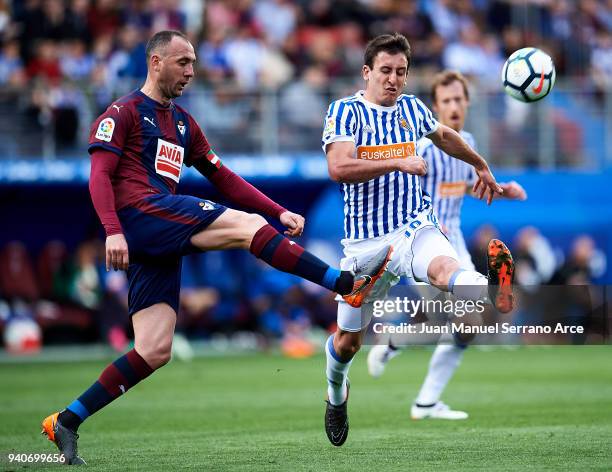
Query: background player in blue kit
(447, 181)
(138, 147)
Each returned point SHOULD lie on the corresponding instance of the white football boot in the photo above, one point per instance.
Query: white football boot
(439, 411)
(378, 357)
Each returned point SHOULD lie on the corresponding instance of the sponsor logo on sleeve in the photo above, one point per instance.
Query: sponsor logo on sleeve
(330, 127)
(386, 151)
(105, 130)
(169, 159)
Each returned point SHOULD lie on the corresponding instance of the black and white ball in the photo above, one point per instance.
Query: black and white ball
(528, 75)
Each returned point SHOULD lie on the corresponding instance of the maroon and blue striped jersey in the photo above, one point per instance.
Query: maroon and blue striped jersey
(153, 142)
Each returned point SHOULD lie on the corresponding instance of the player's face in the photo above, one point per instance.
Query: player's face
(451, 105)
(176, 67)
(386, 79)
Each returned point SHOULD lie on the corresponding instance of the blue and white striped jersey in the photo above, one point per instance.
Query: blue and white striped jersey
(445, 183)
(382, 204)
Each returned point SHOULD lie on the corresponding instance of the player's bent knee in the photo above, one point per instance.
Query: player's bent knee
(349, 344)
(441, 269)
(247, 224)
(157, 356)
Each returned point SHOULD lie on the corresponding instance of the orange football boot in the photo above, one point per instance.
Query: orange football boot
(501, 274)
(366, 277)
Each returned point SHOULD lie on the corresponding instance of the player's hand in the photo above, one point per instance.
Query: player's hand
(486, 185)
(117, 252)
(294, 223)
(414, 165)
(514, 191)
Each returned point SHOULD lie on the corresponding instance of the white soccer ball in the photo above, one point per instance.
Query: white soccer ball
(528, 75)
(22, 336)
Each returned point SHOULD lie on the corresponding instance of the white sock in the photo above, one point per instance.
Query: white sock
(468, 285)
(443, 364)
(337, 372)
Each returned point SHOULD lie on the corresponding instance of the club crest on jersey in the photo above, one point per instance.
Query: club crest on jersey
(404, 124)
(105, 129)
(169, 159)
(206, 205)
(181, 127)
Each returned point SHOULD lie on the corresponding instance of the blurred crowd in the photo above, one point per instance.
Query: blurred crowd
(63, 61)
(57, 296)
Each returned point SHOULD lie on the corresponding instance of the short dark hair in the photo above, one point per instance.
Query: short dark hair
(391, 43)
(161, 39)
(447, 77)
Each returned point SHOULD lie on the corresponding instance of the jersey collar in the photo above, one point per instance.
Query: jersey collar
(360, 97)
(154, 103)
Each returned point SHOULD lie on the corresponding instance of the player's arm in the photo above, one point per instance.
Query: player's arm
(344, 168)
(103, 165)
(236, 189)
(453, 144)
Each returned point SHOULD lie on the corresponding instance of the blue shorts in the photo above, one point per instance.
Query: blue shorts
(158, 234)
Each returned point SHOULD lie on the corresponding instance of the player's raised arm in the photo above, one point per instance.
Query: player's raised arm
(453, 144)
(241, 192)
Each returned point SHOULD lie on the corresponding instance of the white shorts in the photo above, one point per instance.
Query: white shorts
(415, 245)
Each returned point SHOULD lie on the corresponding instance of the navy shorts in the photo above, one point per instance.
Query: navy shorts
(158, 233)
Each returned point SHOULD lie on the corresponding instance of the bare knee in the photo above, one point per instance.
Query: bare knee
(440, 271)
(347, 344)
(156, 355)
(251, 223)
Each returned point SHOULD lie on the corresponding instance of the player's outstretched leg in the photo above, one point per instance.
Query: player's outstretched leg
(287, 256)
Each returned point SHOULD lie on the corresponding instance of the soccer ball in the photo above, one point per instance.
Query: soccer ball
(22, 336)
(528, 75)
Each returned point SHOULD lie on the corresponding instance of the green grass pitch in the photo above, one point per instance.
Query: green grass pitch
(531, 409)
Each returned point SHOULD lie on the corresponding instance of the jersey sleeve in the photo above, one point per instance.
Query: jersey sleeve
(426, 123)
(110, 130)
(340, 124)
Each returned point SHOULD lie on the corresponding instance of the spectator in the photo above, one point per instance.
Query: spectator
(468, 55)
(302, 105)
(76, 63)
(12, 73)
(277, 18)
(45, 63)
